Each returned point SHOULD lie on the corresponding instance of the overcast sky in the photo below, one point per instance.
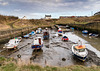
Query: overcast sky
(38, 8)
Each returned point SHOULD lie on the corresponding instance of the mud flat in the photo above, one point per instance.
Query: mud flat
(55, 52)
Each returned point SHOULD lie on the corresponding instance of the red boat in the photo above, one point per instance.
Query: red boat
(65, 38)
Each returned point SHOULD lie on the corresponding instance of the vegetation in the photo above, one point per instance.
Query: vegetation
(65, 21)
(10, 65)
(11, 22)
(14, 67)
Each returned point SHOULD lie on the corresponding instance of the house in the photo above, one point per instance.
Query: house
(24, 17)
(98, 13)
(47, 16)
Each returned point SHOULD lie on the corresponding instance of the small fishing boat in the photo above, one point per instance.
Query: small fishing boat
(72, 29)
(85, 32)
(26, 36)
(65, 38)
(79, 51)
(12, 44)
(37, 43)
(95, 35)
(46, 35)
(32, 33)
(60, 32)
(19, 38)
(67, 28)
(40, 29)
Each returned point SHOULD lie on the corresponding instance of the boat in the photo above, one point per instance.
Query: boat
(65, 38)
(40, 29)
(46, 35)
(12, 44)
(85, 32)
(32, 33)
(72, 29)
(67, 28)
(37, 43)
(60, 32)
(26, 36)
(79, 51)
(95, 35)
(19, 39)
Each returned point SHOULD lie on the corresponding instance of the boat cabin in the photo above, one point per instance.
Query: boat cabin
(65, 38)
(37, 41)
(80, 48)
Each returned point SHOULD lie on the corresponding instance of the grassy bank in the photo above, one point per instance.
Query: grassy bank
(14, 67)
(8, 34)
(10, 65)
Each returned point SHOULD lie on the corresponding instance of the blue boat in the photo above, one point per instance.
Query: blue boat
(85, 32)
(26, 36)
(32, 33)
(37, 44)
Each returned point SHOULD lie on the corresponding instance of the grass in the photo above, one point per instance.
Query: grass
(14, 67)
(8, 67)
(65, 21)
(2, 59)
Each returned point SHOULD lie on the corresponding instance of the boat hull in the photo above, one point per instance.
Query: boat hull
(79, 57)
(10, 47)
(85, 32)
(60, 34)
(37, 46)
(65, 39)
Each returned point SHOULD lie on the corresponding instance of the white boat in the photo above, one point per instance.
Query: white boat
(38, 31)
(79, 51)
(60, 32)
(12, 44)
(19, 38)
(67, 28)
(37, 43)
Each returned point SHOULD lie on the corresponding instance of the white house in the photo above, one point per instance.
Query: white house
(47, 16)
(24, 17)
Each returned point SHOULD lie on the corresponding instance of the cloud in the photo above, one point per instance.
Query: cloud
(17, 10)
(3, 3)
(42, 7)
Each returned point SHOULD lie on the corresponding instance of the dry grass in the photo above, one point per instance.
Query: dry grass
(65, 21)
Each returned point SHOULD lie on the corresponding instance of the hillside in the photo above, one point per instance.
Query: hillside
(5, 20)
(11, 22)
(80, 20)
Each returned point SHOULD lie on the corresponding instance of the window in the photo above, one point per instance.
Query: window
(75, 48)
(81, 50)
(64, 37)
